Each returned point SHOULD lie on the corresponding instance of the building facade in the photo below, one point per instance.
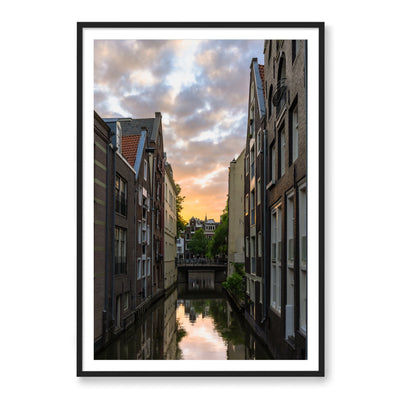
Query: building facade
(236, 218)
(275, 206)
(170, 268)
(115, 234)
(151, 190)
(254, 181)
(180, 247)
(101, 228)
(285, 83)
(208, 226)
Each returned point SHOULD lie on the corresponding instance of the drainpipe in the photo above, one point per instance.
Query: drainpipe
(135, 244)
(306, 96)
(265, 222)
(105, 328)
(113, 238)
(152, 237)
(306, 82)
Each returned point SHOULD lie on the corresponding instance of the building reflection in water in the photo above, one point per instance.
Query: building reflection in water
(193, 322)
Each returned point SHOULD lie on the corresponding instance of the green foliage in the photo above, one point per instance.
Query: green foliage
(198, 245)
(219, 242)
(235, 282)
(180, 222)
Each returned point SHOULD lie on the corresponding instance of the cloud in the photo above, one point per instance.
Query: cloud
(201, 87)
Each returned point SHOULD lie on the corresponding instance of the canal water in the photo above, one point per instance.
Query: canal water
(196, 321)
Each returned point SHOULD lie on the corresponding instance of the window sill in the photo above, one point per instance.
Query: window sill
(275, 311)
(270, 184)
(302, 332)
(279, 117)
(291, 342)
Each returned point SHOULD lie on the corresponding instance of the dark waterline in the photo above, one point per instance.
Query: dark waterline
(196, 321)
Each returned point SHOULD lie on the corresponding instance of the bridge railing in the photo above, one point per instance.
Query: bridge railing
(200, 262)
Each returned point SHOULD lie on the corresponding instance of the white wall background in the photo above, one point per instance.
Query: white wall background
(38, 165)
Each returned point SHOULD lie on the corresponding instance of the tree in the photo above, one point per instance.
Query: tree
(219, 242)
(198, 244)
(180, 222)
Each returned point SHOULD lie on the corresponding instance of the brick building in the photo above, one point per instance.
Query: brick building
(285, 82)
(275, 191)
(254, 213)
(114, 238)
(101, 228)
(170, 269)
(236, 218)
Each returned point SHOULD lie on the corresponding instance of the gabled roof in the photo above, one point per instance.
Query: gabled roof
(130, 146)
(130, 126)
(261, 68)
(132, 150)
(135, 126)
(259, 86)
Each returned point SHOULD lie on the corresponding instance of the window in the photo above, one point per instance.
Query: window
(247, 246)
(140, 232)
(148, 267)
(295, 49)
(259, 191)
(251, 120)
(289, 326)
(247, 165)
(143, 268)
(290, 230)
(140, 196)
(144, 209)
(276, 258)
(280, 99)
(252, 208)
(253, 254)
(252, 298)
(281, 160)
(139, 268)
(252, 167)
(148, 234)
(259, 141)
(272, 160)
(126, 301)
(259, 244)
(120, 250)
(145, 170)
(294, 134)
(247, 204)
(303, 256)
(143, 234)
(120, 195)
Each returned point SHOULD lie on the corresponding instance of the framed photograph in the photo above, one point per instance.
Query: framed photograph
(200, 182)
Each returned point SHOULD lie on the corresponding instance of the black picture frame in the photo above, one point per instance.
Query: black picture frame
(320, 28)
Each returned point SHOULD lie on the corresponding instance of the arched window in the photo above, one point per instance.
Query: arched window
(280, 93)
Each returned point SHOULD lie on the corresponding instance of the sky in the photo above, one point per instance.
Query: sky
(201, 89)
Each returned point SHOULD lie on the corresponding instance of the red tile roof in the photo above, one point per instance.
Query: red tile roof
(129, 148)
(261, 68)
